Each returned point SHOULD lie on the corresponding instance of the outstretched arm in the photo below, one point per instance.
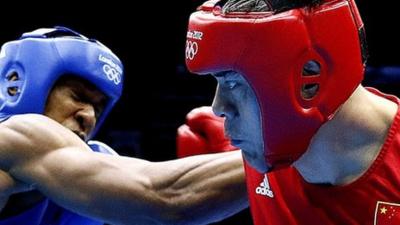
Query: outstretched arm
(122, 190)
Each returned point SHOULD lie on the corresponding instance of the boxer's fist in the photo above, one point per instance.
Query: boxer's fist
(203, 133)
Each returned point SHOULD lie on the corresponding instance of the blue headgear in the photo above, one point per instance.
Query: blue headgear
(30, 66)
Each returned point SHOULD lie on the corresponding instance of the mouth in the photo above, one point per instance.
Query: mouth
(236, 142)
(233, 138)
(80, 134)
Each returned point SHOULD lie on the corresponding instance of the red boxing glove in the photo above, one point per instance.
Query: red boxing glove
(203, 133)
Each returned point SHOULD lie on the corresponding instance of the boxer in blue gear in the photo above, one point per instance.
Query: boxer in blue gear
(69, 78)
(56, 88)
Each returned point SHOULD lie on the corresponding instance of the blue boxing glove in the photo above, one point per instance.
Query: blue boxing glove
(98, 146)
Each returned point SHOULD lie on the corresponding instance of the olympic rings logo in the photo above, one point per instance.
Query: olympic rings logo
(191, 49)
(112, 74)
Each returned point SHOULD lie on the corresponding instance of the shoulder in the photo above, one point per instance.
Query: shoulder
(30, 131)
(18, 127)
(25, 124)
(20, 121)
(32, 137)
(32, 125)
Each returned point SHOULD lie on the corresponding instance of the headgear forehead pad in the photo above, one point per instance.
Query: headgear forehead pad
(30, 66)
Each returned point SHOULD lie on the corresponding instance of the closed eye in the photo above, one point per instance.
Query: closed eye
(82, 98)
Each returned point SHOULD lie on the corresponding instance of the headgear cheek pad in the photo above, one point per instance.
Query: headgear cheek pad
(271, 50)
(30, 66)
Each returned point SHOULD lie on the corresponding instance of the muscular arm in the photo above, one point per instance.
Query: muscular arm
(122, 190)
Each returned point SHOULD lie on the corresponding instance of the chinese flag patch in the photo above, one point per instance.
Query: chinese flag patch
(387, 213)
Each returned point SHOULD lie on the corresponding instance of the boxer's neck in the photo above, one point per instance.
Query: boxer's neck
(345, 147)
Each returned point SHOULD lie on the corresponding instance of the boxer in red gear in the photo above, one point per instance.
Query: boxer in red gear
(203, 133)
(319, 148)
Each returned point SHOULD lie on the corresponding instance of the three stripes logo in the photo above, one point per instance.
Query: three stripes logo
(264, 188)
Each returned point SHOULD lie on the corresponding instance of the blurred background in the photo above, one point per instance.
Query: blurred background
(149, 37)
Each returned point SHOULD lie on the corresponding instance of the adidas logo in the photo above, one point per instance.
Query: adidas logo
(264, 189)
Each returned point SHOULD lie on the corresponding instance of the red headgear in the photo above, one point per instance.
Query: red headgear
(270, 50)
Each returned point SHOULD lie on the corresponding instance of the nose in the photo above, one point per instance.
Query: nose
(221, 106)
(86, 118)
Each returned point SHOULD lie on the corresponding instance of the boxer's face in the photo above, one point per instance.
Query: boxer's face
(75, 104)
(236, 101)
